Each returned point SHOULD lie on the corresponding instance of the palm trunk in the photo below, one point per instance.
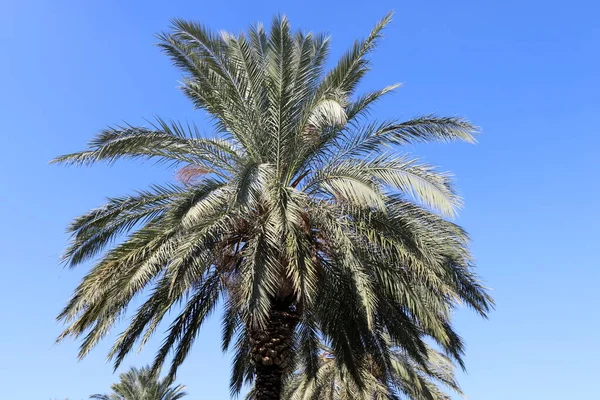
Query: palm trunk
(271, 351)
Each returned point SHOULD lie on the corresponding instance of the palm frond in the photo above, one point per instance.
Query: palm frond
(137, 384)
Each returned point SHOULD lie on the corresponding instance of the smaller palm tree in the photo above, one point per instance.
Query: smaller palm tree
(142, 384)
(398, 377)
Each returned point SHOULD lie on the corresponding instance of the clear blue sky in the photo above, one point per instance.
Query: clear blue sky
(527, 72)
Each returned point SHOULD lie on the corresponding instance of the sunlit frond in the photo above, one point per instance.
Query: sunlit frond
(142, 384)
(402, 377)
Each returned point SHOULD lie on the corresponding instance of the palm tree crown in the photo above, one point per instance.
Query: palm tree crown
(142, 384)
(298, 214)
(403, 379)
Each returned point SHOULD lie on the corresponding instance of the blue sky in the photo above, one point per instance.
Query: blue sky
(526, 72)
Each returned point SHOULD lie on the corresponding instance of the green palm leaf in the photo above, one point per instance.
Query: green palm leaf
(142, 384)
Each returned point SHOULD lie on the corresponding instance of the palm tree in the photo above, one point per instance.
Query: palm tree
(298, 214)
(402, 378)
(142, 384)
